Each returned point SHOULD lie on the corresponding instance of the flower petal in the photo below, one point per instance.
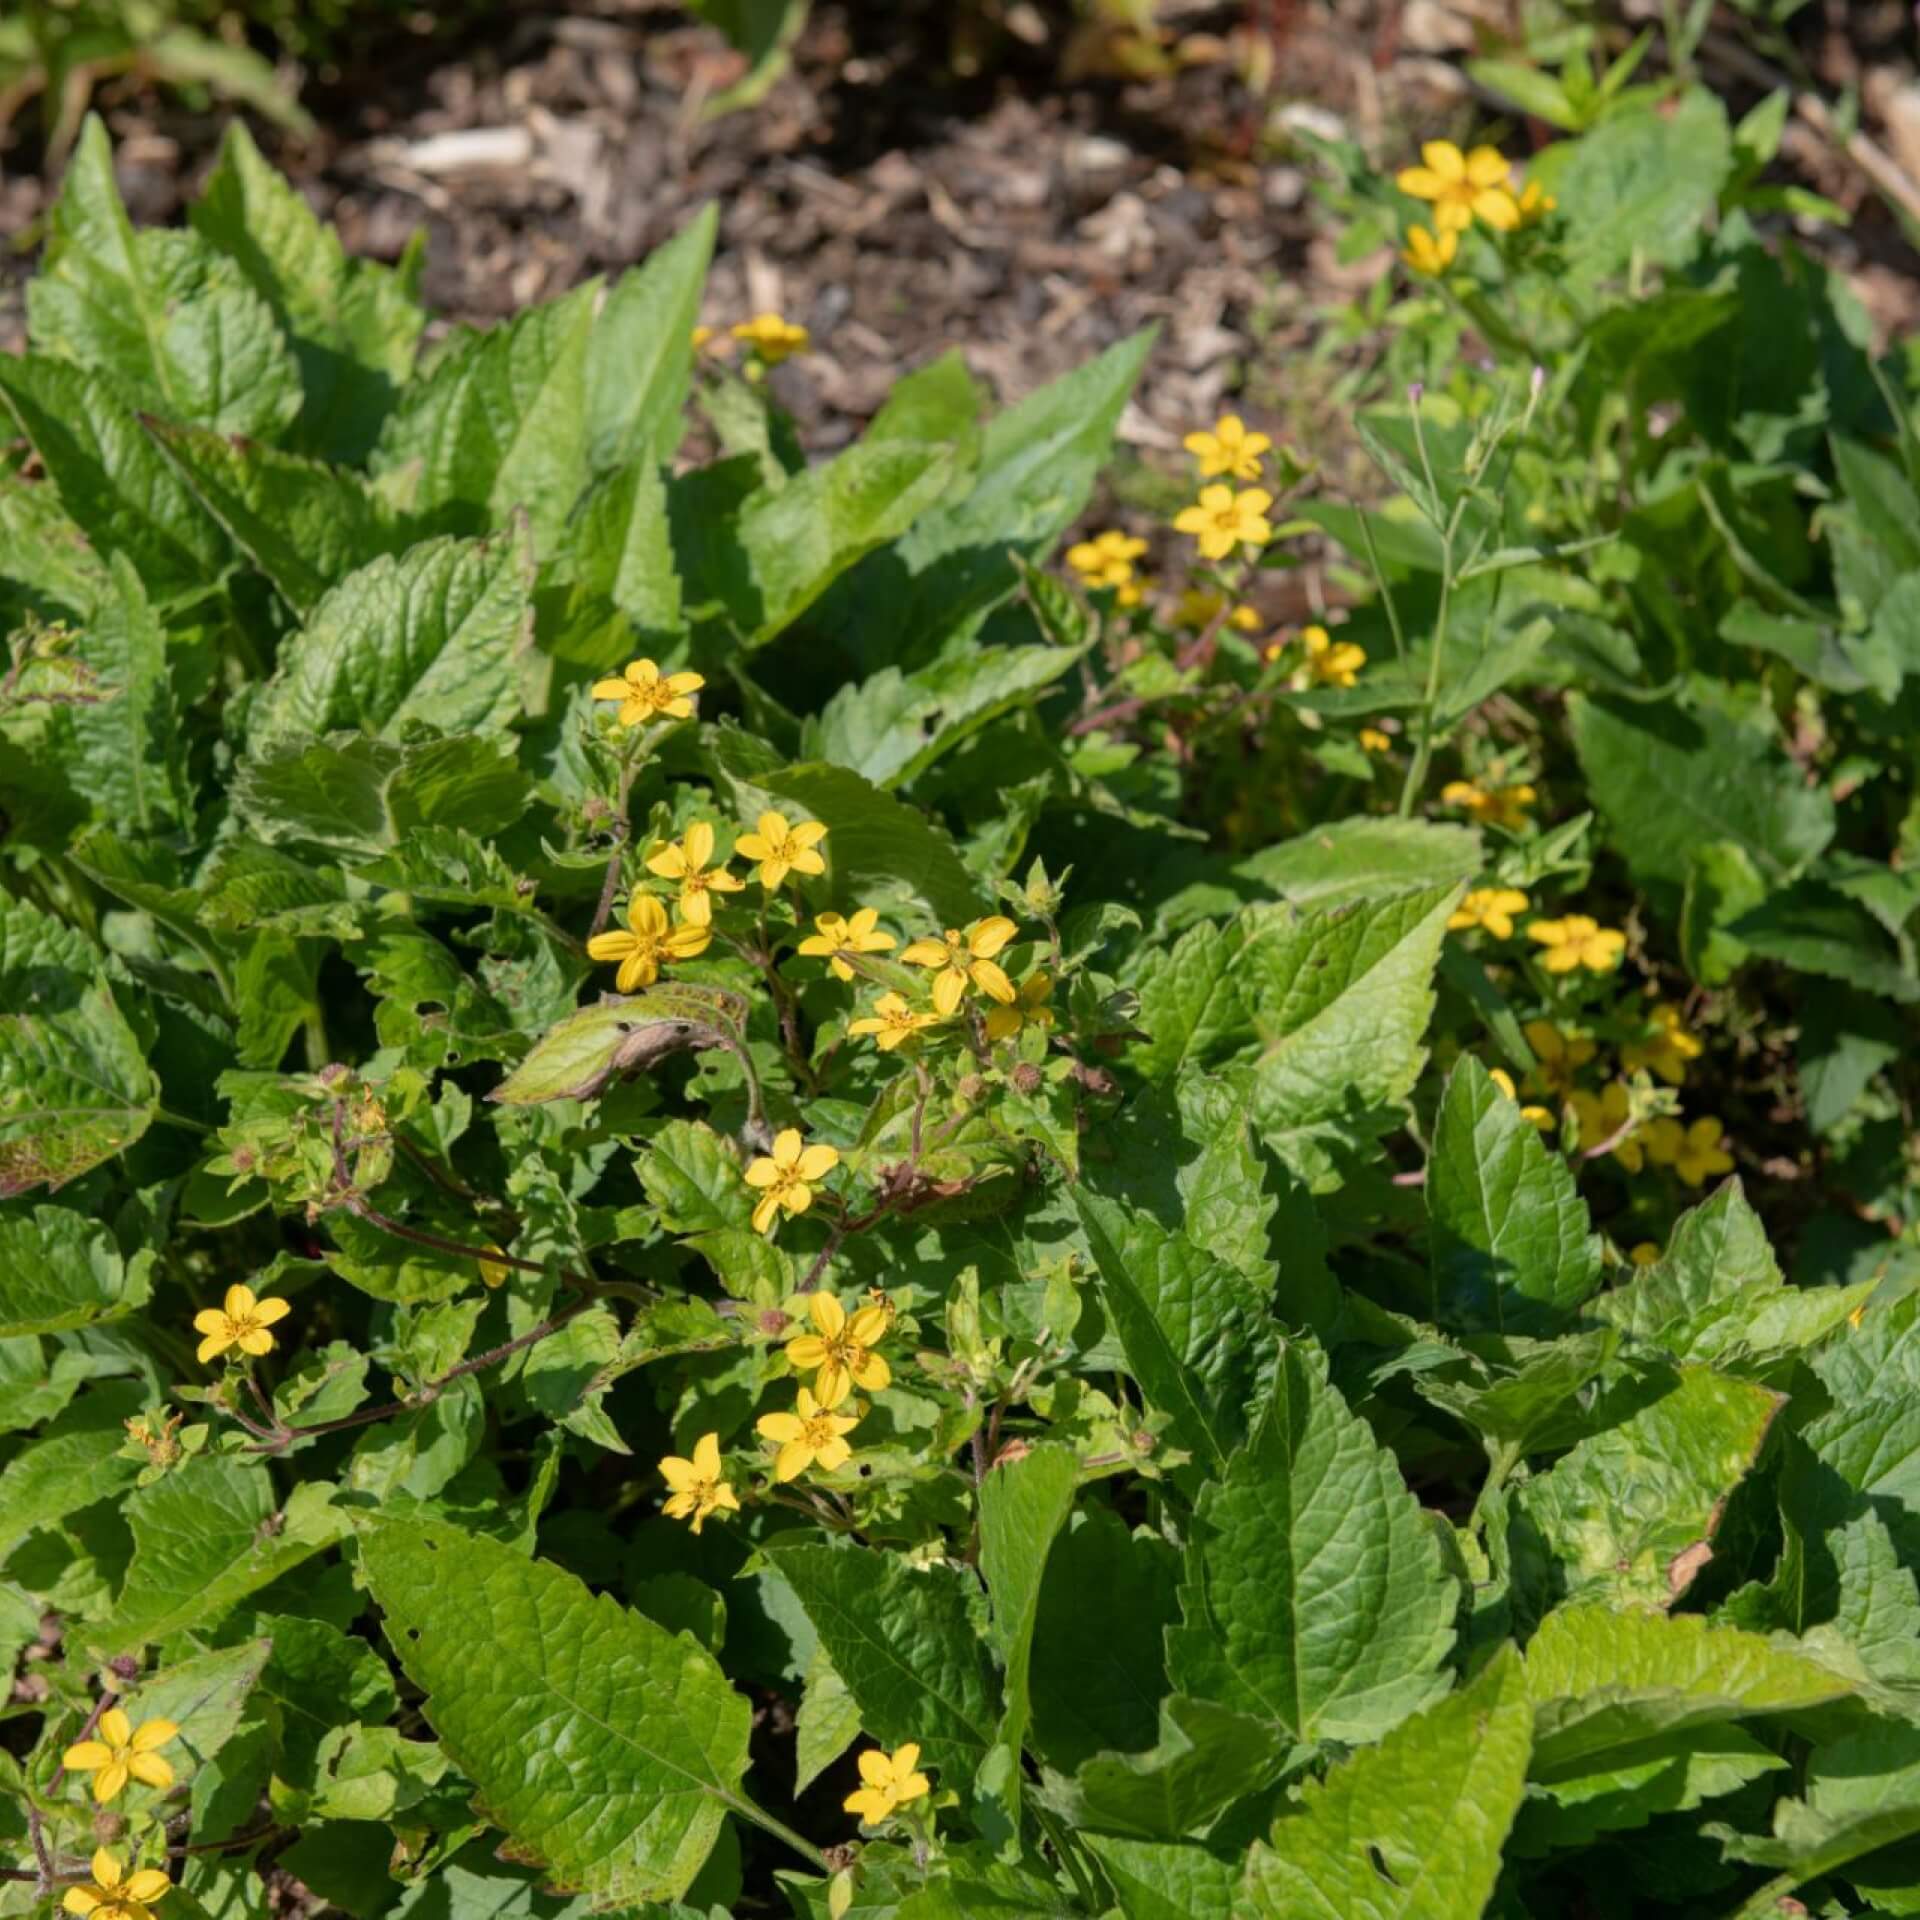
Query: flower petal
(151, 1734)
(699, 840)
(868, 1327)
(150, 1770)
(780, 1427)
(265, 1314)
(109, 1781)
(238, 1303)
(786, 1146)
(815, 1163)
(706, 1456)
(823, 1308)
(1445, 159)
(87, 1756)
(115, 1728)
(792, 1460)
(875, 1768)
(148, 1884)
(986, 937)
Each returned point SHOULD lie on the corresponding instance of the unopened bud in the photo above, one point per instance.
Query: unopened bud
(971, 1089)
(1026, 1077)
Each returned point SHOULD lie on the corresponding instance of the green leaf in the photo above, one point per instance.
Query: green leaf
(60, 1269)
(1411, 1829)
(1162, 1880)
(641, 352)
(1512, 1250)
(112, 479)
(70, 1466)
(1524, 1409)
(826, 1725)
(171, 321)
(75, 1088)
(499, 427)
(902, 1639)
(1315, 1594)
(353, 324)
(431, 636)
(205, 1697)
(607, 1748)
(576, 1059)
(1816, 929)
(1350, 859)
(1629, 1515)
(1676, 776)
(204, 1538)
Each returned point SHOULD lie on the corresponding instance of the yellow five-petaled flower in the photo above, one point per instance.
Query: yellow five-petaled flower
(1557, 1056)
(686, 861)
(698, 1487)
(644, 691)
(1578, 941)
(649, 943)
(834, 938)
(240, 1320)
(1331, 662)
(1489, 907)
(966, 957)
(888, 1781)
(116, 1894)
(1533, 1116)
(1107, 559)
(786, 1178)
(839, 1352)
(123, 1752)
(1604, 1116)
(1430, 253)
(1228, 449)
(1463, 186)
(1668, 1050)
(782, 847)
(771, 337)
(1494, 806)
(1029, 1008)
(810, 1436)
(1223, 519)
(1698, 1153)
(893, 1021)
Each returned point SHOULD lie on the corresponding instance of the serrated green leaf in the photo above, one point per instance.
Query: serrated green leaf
(60, 1269)
(1165, 1880)
(575, 1060)
(608, 1749)
(1349, 859)
(827, 1723)
(70, 1466)
(204, 1696)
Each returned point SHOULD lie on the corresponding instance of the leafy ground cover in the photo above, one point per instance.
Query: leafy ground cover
(738, 1185)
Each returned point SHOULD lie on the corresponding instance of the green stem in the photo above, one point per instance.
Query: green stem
(168, 1118)
(1503, 1461)
(1423, 752)
(1069, 1857)
(1765, 1905)
(804, 1847)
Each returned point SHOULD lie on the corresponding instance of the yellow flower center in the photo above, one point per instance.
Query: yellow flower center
(237, 1330)
(818, 1432)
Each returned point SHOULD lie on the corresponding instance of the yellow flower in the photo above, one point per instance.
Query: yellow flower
(1223, 519)
(771, 337)
(810, 1436)
(1601, 1116)
(781, 848)
(649, 944)
(1107, 559)
(1198, 605)
(701, 335)
(1130, 593)
(1578, 941)
(1372, 740)
(493, 1273)
(892, 1021)
(1489, 907)
(858, 933)
(123, 1751)
(686, 861)
(889, 1780)
(1665, 1139)
(1228, 449)
(698, 1487)
(1646, 1254)
(1272, 651)
(1331, 662)
(839, 1352)
(1534, 204)
(1497, 806)
(1534, 1116)
(1028, 1008)
(787, 1177)
(239, 1321)
(643, 691)
(964, 957)
(1700, 1154)
(1668, 1051)
(1462, 186)
(1429, 253)
(115, 1893)
(1557, 1056)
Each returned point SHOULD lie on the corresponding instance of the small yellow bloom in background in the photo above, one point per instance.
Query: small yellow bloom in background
(810, 1436)
(1534, 1116)
(1578, 941)
(1431, 254)
(835, 938)
(686, 861)
(1667, 1051)
(787, 1177)
(893, 1020)
(1491, 806)
(1107, 559)
(1601, 1116)
(1029, 1008)
(649, 943)
(1557, 1056)
(1272, 651)
(772, 338)
(1534, 204)
(782, 848)
(1223, 519)
(700, 337)
(1228, 449)
(1372, 740)
(697, 1487)
(1665, 1139)
(1489, 907)
(115, 1893)
(493, 1273)
(966, 957)
(839, 1352)
(1331, 662)
(1197, 606)
(888, 1781)
(1700, 1155)
(1646, 1254)
(643, 691)
(1463, 186)
(123, 1751)
(240, 1321)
